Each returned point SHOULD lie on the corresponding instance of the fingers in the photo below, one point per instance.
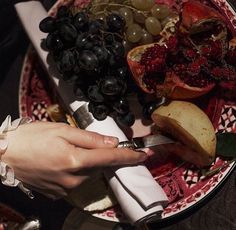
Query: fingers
(86, 139)
(107, 157)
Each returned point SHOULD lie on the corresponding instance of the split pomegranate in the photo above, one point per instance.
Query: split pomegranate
(188, 63)
(228, 87)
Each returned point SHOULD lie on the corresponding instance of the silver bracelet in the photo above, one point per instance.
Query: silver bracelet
(7, 175)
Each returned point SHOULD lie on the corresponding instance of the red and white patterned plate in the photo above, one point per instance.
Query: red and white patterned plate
(182, 182)
(9, 218)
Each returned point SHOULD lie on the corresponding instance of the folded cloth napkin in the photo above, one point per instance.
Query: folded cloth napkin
(138, 194)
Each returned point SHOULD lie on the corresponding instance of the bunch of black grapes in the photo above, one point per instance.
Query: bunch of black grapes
(89, 54)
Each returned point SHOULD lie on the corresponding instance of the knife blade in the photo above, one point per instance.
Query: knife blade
(146, 141)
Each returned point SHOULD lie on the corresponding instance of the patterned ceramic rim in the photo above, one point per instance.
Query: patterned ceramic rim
(9, 216)
(226, 114)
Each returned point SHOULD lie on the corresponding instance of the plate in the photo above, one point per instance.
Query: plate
(182, 182)
(9, 217)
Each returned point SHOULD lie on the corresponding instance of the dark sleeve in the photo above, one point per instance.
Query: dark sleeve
(12, 37)
(13, 46)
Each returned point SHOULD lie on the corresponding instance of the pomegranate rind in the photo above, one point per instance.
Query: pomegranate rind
(232, 43)
(195, 16)
(176, 89)
(172, 88)
(195, 13)
(137, 70)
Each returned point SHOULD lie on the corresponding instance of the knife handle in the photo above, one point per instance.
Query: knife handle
(126, 144)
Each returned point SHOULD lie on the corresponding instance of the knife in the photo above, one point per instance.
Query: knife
(146, 141)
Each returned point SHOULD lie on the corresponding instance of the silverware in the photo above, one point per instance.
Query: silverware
(146, 141)
(83, 117)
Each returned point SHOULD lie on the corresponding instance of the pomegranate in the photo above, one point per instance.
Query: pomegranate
(197, 17)
(231, 54)
(228, 86)
(188, 63)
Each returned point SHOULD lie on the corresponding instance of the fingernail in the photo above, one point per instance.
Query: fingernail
(108, 140)
(143, 156)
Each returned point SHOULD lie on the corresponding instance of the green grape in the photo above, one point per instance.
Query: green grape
(143, 4)
(146, 38)
(118, 1)
(160, 11)
(127, 14)
(134, 33)
(139, 17)
(127, 46)
(98, 5)
(168, 19)
(153, 26)
(100, 16)
(95, 2)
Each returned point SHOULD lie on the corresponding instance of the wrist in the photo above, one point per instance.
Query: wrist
(7, 175)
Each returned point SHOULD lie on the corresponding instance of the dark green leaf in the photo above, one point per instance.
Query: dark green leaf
(226, 144)
(211, 172)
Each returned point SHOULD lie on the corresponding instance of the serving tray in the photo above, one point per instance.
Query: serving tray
(183, 183)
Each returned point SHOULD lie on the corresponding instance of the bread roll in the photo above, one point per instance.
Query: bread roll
(93, 195)
(191, 126)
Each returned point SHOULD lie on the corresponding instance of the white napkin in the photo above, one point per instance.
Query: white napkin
(137, 192)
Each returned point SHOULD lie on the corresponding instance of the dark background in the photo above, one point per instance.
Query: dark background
(216, 212)
(13, 46)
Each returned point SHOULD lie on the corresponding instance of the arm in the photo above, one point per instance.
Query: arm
(53, 158)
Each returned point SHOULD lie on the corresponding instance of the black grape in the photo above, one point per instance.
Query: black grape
(115, 22)
(90, 56)
(54, 42)
(94, 94)
(101, 53)
(121, 72)
(82, 40)
(67, 61)
(121, 106)
(79, 94)
(68, 32)
(109, 38)
(99, 111)
(47, 25)
(63, 20)
(94, 27)
(81, 21)
(149, 107)
(112, 86)
(125, 120)
(112, 60)
(63, 11)
(88, 60)
(117, 49)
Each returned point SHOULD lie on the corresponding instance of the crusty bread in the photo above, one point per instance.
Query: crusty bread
(191, 126)
(93, 195)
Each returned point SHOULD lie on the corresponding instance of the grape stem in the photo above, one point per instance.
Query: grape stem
(144, 13)
(106, 32)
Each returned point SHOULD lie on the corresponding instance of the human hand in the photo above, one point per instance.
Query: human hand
(53, 158)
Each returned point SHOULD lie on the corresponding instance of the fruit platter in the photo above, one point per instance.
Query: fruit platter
(150, 65)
